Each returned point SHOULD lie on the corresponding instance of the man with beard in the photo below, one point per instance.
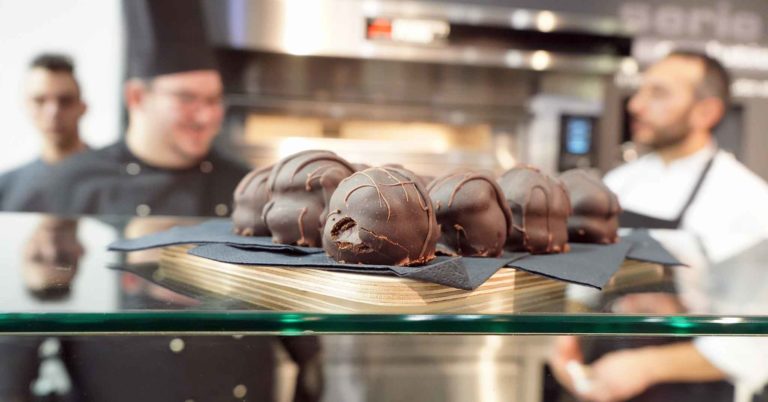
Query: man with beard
(55, 106)
(684, 183)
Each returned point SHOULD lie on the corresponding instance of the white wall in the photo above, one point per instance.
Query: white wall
(88, 30)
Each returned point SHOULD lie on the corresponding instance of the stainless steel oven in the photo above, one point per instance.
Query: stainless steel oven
(430, 85)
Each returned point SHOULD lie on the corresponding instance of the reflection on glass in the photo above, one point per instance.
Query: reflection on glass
(139, 293)
(50, 258)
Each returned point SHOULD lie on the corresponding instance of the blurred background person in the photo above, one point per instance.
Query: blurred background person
(685, 183)
(165, 164)
(54, 103)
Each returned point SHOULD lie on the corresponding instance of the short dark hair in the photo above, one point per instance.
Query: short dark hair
(59, 63)
(56, 63)
(716, 81)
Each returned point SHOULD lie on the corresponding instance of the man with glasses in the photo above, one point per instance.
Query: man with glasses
(165, 165)
(55, 106)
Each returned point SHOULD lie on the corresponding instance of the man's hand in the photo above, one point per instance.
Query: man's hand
(566, 350)
(622, 375)
(619, 376)
(615, 377)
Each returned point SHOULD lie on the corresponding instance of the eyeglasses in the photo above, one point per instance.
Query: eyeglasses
(193, 101)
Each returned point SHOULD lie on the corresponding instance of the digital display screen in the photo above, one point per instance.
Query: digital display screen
(408, 30)
(578, 134)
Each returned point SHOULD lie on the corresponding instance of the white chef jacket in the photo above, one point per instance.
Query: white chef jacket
(728, 216)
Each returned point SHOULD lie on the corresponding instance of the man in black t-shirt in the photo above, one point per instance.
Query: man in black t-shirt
(55, 106)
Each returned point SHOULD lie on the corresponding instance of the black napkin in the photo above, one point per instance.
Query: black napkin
(458, 272)
(586, 264)
(646, 248)
(594, 264)
(218, 231)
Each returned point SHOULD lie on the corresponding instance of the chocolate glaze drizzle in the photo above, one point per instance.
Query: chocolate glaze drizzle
(472, 212)
(381, 215)
(596, 209)
(540, 209)
(299, 189)
(250, 197)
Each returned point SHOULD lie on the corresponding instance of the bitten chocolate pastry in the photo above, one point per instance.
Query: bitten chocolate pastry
(596, 209)
(250, 197)
(540, 210)
(382, 215)
(472, 212)
(300, 187)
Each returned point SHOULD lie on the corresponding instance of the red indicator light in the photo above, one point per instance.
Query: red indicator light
(380, 28)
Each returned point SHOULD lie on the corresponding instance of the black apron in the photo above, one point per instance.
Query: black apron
(631, 219)
(594, 348)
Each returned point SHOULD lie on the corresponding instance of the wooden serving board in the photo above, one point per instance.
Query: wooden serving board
(318, 290)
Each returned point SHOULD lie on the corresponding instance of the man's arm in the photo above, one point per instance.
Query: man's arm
(624, 374)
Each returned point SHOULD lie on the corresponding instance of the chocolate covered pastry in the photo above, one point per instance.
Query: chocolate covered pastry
(360, 166)
(540, 209)
(596, 209)
(300, 187)
(472, 212)
(423, 180)
(382, 215)
(426, 179)
(250, 197)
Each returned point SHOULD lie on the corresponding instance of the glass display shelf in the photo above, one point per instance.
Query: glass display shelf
(59, 278)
